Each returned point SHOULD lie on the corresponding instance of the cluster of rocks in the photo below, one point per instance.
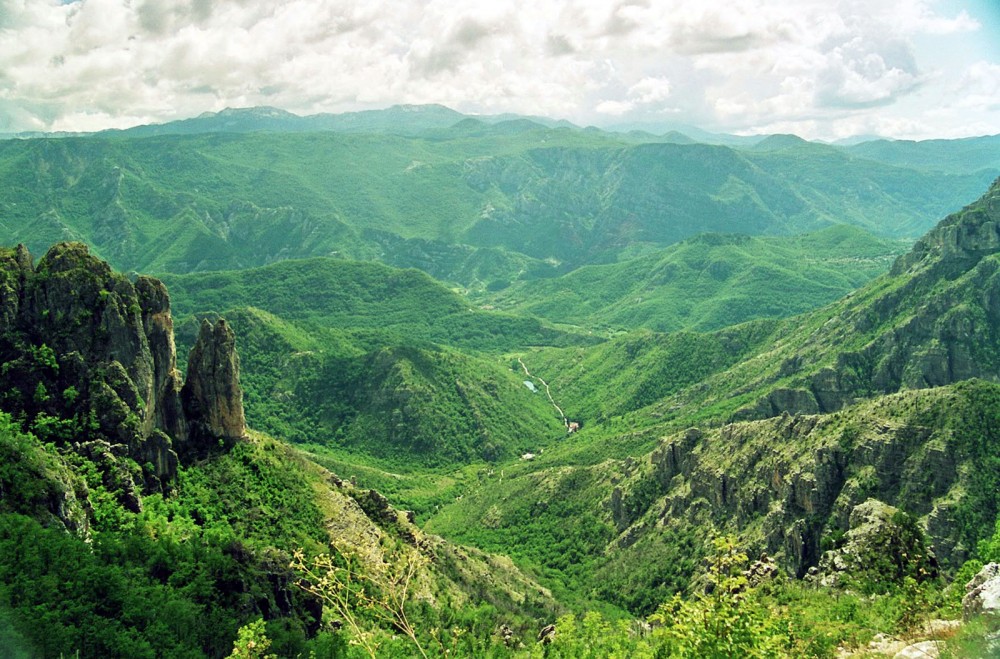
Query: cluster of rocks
(879, 545)
(95, 351)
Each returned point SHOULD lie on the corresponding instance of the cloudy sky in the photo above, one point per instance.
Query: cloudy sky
(823, 69)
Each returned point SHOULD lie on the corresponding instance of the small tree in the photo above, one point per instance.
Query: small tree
(251, 642)
(726, 621)
(349, 587)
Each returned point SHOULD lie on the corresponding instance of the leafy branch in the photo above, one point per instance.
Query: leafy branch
(351, 586)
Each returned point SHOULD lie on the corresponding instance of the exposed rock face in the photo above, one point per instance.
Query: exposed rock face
(982, 593)
(212, 396)
(762, 570)
(792, 485)
(877, 546)
(938, 323)
(165, 411)
(89, 360)
(921, 650)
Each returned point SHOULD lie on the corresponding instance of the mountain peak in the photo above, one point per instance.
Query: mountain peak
(961, 239)
(256, 112)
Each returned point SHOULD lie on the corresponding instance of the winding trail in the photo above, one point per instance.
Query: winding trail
(547, 392)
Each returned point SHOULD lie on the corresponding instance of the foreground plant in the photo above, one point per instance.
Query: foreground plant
(353, 588)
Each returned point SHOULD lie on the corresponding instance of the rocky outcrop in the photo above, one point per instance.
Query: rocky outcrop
(882, 545)
(212, 397)
(165, 410)
(792, 485)
(90, 363)
(982, 593)
(921, 650)
(935, 321)
(960, 240)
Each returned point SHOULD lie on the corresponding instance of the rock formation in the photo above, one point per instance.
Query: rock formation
(882, 544)
(982, 593)
(90, 362)
(212, 397)
(933, 322)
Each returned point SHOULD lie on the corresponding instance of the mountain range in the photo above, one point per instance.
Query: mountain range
(413, 382)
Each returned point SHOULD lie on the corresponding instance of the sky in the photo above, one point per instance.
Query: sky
(821, 69)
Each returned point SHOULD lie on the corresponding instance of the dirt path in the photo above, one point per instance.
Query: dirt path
(547, 392)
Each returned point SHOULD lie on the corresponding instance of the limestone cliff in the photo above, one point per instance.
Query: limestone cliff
(90, 364)
(788, 485)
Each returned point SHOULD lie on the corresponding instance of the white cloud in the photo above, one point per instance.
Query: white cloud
(614, 108)
(865, 71)
(650, 90)
(724, 64)
(979, 87)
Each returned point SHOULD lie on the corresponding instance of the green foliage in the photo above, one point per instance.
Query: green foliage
(729, 617)
(877, 571)
(376, 299)
(380, 590)
(628, 373)
(728, 621)
(179, 578)
(544, 521)
(470, 207)
(252, 642)
(658, 567)
(67, 598)
(709, 281)
(34, 480)
(404, 405)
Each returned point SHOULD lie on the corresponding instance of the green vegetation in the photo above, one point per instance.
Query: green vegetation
(376, 394)
(708, 282)
(778, 434)
(368, 299)
(474, 205)
(178, 578)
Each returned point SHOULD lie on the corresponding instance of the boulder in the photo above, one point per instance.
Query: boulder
(547, 634)
(883, 545)
(921, 650)
(982, 593)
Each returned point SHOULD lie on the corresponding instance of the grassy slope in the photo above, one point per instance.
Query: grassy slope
(331, 293)
(382, 396)
(709, 281)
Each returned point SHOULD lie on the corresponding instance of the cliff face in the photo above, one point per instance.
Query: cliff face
(932, 321)
(788, 485)
(90, 364)
(889, 394)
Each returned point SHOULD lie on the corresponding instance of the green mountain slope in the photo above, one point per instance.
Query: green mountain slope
(962, 155)
(529, 193)
(709, 281)
(633, 529)
(131, 526)
(872, 396)
(930, 321)
(404, 405)
(373, 298)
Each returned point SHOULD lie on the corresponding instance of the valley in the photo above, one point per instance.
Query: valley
(762, 346)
